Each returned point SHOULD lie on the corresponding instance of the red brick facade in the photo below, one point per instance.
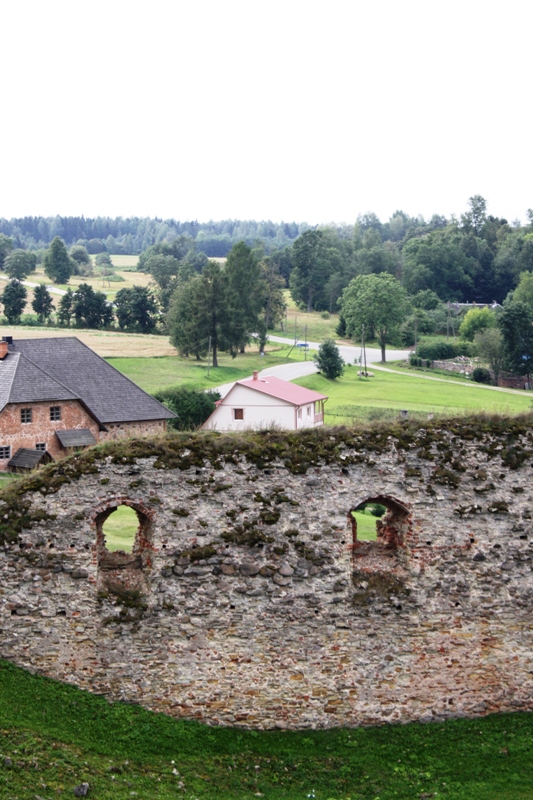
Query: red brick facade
(41, 430)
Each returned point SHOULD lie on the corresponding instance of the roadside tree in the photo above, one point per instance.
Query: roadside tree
(136, 309)
(91, 309)
(14, 299)
(19, 264)
(42, 302)
(65, 309)
(490, 347)
(57, 263)
(329, 360)
(378, 302)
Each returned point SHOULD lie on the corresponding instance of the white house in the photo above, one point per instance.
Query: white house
(267, 403)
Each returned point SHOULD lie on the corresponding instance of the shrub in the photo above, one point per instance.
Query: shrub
(481, 375)
(441, 351)
(192, 406)
(325, 315)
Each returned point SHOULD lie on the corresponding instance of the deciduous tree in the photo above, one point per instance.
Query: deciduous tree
(57, 263)
(475, 320)
(136, 309)
(516, 325)
(14, 301)
(377, 301)
(19, 264)
(42, 302)
(91, 309)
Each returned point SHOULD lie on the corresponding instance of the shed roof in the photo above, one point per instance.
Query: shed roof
(25, 458)
(64, 368)
(78, 437)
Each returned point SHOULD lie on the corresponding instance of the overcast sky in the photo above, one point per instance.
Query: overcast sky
(283, 110)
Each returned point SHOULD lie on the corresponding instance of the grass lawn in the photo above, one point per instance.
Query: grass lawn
(352, 398)
(366, 526)
(120, 529)
(6, 478)
(318, 329)
(56, 737)
(159, 373)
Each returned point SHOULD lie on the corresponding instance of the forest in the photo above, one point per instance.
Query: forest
(476, 257)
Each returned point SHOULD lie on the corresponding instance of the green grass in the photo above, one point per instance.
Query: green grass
(6, 478)
(153, 374)
(352, 399)
(366, 526)
(318, 329)
(57, 736)
(120, 529)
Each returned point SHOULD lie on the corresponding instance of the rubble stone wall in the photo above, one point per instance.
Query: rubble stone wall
(248, 598)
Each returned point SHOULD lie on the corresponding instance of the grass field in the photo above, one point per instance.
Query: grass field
(318, 329)
(155, 374)
(120, 528)
(56, 737)
(352, 399)
(366, 526)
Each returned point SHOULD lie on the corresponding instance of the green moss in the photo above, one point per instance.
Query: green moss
(198, 553)
(269, 516)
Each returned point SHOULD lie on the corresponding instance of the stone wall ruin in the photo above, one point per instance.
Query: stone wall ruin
(248, 598)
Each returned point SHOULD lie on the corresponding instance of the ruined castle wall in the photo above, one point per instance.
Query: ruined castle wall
(248, 599)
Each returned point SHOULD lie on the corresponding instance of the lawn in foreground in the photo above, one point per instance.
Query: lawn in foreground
(56, 737)
(349, 395)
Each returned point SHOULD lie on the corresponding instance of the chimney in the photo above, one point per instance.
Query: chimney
(256, 375)
(3, 349)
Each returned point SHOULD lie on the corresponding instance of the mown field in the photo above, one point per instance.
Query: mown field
(54, 737)
(352, 399)
(159, 373)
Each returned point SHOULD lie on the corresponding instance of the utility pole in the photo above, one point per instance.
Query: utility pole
(295, 339)
(363, 347)
(305, 342)
(208, 356)
(416, 325)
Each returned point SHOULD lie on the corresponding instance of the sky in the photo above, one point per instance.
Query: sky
(285, 110)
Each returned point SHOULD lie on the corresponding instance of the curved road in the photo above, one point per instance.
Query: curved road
(350, 354)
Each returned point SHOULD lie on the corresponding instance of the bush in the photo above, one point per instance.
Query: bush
(192, 406)
(481, 375)
(325, 315)
(442, 351)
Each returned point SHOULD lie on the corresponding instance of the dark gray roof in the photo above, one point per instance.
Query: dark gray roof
(25, 458)
(72, 370)
(79, 437)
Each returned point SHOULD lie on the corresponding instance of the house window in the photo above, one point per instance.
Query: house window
(55, 413)
(25, 415)
(5, 451)
(40, 446)
(238, 413)
(308, 411)
(299, 413)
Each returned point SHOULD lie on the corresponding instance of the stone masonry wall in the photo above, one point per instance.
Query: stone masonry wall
(248, 599)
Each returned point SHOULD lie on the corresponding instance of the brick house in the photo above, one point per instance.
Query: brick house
(58, 395)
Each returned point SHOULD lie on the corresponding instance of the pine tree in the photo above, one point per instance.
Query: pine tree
(329, 360)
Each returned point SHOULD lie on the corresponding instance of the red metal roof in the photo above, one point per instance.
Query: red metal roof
(283, 390)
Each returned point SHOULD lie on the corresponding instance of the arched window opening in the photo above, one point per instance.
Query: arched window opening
(367, 517)
(380, 520)
(120, 530)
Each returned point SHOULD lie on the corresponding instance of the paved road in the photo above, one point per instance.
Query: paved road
(299, 369)
(52, 289)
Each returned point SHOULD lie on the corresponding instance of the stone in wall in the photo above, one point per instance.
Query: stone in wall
(248, 598)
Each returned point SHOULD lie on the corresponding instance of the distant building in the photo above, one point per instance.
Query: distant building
(57, 395)
(267, 402)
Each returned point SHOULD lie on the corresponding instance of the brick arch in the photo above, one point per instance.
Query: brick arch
(393, 526)
(120, 569)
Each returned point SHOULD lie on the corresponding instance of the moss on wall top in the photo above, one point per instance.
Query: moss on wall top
(510, 438)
